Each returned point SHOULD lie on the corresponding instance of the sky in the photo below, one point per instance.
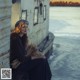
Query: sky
(67, 0)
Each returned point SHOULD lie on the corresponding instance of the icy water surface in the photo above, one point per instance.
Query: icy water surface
(65, 20)
(65, 60)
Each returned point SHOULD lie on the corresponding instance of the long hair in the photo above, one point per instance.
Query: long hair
(17, 30)
(18, 24)
(32, 50)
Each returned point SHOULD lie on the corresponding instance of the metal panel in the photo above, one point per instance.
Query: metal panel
(5, 24)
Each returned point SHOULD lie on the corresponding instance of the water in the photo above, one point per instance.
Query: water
(65, 60)
(65, 21)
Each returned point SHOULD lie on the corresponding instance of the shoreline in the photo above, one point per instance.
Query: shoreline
(64, 6)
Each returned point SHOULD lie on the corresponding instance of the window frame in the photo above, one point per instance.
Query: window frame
(35, 16)
(44, 12)
(24, 11)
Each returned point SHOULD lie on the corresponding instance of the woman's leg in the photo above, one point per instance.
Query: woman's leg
(40, 70)
(20, 72)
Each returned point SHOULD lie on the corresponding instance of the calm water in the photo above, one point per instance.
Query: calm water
(65, 21)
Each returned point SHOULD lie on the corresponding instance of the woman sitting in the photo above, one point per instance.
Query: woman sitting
(25, 59)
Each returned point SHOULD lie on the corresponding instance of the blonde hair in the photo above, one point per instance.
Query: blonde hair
(18, 26)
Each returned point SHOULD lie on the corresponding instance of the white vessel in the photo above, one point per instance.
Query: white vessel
(34, 11)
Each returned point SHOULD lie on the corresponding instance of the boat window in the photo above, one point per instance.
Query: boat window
(44, 13)
(24, 14)
(41, 8)
(36, 10)
(14, 1)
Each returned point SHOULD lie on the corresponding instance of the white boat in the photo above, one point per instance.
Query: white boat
(34, 11)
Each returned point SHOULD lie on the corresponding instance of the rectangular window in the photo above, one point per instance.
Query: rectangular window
(35, 21)
(24, 14)
(44, 13)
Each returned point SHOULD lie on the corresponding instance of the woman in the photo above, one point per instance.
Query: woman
(22, 62)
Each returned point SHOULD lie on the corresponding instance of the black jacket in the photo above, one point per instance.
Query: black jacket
(17, 48)
(38, 69)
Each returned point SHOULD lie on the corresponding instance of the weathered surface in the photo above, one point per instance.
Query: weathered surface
(65, 60)
(38, 32)
(5, 24)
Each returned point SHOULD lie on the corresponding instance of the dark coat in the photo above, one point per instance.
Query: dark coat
(17, 48)
(37, 69)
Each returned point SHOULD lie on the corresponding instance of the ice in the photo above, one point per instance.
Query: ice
(65, 60)
(66, 63)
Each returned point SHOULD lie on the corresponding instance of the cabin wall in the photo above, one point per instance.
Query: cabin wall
(16, 13)
(29, 6)
(5, 24)
(39, 31)
(44, 26)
